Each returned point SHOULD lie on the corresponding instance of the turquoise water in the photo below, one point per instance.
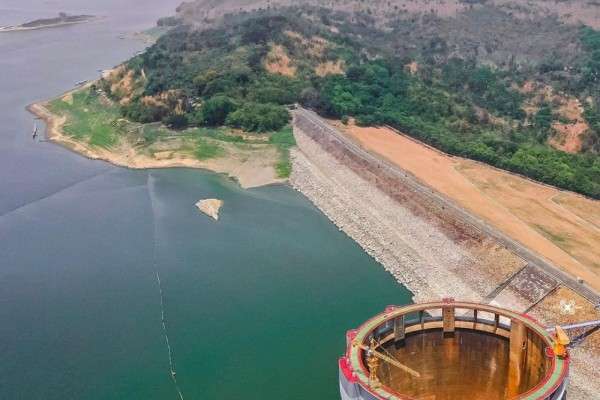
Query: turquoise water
(256, 305)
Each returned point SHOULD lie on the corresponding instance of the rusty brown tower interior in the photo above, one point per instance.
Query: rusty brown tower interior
(471, 361)
(467, 364)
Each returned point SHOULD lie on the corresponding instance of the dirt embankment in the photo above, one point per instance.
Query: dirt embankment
(555, 224)
(250, 165)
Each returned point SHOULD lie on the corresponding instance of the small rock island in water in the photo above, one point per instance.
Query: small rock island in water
(210, 207)
(62, 19)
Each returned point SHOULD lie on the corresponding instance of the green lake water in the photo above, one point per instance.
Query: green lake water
(256, 305)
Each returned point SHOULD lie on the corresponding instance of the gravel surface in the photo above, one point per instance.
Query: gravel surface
(415, 251)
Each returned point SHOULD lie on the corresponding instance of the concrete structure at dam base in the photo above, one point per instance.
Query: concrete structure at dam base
(453, 350)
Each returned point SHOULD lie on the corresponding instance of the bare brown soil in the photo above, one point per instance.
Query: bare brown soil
(330, 68)
(315, 45)
(570, 132)
(278, 62)
(524, 210)
(412, 67)
(587, 210)
(122, 83)
(568, 137)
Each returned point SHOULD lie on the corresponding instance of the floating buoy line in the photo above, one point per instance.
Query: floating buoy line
(163, 316)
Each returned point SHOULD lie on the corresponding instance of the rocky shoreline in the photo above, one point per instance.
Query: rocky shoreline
(352, 220)
(308, 182)
(414, 250)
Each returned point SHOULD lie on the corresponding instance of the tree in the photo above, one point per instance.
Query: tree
(310, 97)
(542, 121)
(263, 29)
(256, 117)
(136, 111)
(176, 121)
(214, 111)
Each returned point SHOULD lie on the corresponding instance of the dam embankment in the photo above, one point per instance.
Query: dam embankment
(428, 244)
(422, 239)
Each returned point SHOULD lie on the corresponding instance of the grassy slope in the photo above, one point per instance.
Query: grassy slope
(88, 119)
(284, 140)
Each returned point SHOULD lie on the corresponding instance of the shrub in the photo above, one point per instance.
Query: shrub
(256, 117)
(176, 121)
(136, 111)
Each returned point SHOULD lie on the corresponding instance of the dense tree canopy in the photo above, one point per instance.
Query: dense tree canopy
(257, 117)
(215, 110)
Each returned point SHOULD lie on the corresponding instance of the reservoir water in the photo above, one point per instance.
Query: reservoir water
(255, 306)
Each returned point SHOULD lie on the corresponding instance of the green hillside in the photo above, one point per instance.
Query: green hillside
(244, 70)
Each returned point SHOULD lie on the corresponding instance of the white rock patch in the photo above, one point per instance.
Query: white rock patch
(210, 207)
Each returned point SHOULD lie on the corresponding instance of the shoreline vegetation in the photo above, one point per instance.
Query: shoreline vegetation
(88, 123)
(63, 19)
(243, 71)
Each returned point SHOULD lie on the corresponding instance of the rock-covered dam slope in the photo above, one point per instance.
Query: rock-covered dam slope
(425, 244)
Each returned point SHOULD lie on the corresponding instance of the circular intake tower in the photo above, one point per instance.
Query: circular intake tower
(451, 351)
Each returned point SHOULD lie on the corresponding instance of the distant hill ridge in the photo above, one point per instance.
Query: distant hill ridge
(569, 11)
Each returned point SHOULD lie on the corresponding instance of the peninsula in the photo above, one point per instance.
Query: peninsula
(61, 20)
(87, 121)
